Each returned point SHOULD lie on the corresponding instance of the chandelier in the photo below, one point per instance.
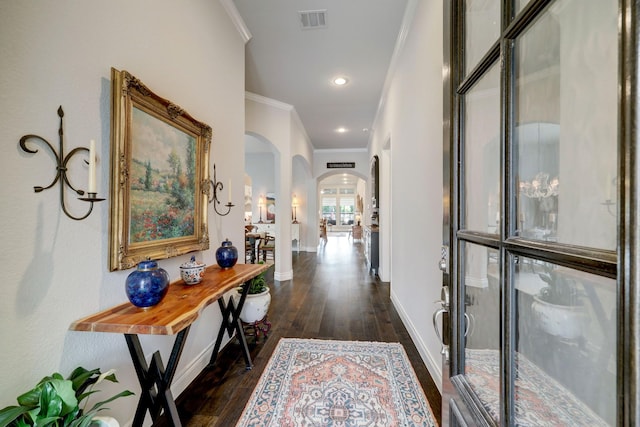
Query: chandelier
(540, 187)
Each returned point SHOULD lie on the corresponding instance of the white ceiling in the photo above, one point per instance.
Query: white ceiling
(296, 66)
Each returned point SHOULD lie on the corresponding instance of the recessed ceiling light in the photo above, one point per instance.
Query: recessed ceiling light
(341, 130)
(340, 81)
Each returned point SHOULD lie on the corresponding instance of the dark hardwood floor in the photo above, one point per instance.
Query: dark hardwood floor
(331, 296)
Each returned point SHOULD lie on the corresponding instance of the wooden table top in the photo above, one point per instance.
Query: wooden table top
(179, 308)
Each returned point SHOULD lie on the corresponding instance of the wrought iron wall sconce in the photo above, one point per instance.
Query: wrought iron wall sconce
(215, 187)
(61, 167)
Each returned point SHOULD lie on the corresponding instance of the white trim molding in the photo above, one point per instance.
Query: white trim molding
(268, 101)
(237, 20)
(433, 364)
(288, 275)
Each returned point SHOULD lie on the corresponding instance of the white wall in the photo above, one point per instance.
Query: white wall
(278, 123)
(55, 269)
(260, 167)
(322, 157)
(410, 125)
(301, 177)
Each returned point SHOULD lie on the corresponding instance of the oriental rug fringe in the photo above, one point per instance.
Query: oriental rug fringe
(337, 383)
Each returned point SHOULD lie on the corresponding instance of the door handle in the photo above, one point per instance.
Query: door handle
(436, 314)
(468, 324)
(468, 327)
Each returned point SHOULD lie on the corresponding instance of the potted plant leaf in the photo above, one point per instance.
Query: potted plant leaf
(56, 401)
(258, 299)
(558, 307)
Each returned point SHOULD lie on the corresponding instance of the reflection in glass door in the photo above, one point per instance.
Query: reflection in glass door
(533, 226)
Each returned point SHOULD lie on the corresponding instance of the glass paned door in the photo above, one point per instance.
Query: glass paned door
(482, 153)
(567, 144)
(347, 210)
(482, 29)
(533, 214)
(565, 360)
(482, 324)
(329, 209)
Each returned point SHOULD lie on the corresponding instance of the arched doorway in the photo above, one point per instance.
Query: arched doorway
(340, 200)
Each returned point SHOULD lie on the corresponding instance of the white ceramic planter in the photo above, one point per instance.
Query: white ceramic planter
(255, 306)
(104, 422)
(562, 321)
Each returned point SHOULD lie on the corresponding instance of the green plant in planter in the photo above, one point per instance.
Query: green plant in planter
(560, 290)
(257, 285)
(55, 401)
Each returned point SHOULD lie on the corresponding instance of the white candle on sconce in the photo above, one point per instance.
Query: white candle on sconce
(229, 190)
(91, 186)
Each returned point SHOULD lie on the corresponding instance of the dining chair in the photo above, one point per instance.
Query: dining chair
(267, 247)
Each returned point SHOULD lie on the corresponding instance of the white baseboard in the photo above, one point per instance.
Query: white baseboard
(433, 364)
(476, 282)
(288, 275)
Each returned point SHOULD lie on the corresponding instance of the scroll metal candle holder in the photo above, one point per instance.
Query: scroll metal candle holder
(215, 187)
(61, 167)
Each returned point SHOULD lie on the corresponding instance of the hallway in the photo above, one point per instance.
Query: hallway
(331, 296)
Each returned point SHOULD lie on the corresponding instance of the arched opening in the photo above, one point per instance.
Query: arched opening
(260, 179)
(340, 200)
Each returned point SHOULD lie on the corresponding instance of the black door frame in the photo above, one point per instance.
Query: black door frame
(624, 264)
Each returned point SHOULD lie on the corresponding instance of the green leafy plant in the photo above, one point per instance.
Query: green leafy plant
(55, 401)
(256, 285)
(560, 290)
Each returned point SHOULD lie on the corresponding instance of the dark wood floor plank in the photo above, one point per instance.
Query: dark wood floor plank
(332, 296)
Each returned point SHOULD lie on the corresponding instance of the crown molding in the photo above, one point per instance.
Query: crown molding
(298, 121)
(237, 20)
(295, 117)
(268, 101)
(407, 21)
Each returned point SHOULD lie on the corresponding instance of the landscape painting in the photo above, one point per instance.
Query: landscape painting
(159, 176)
(162, 180)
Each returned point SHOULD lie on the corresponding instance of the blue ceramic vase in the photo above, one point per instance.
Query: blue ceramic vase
(147, 285)
(227, 255)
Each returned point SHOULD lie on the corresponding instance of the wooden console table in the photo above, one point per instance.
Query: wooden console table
(173, 316)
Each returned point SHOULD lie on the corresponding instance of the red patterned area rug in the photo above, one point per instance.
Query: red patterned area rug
(337, 383)
(540, 400)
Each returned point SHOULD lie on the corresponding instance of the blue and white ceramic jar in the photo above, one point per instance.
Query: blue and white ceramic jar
(148, 285)
(227, 254)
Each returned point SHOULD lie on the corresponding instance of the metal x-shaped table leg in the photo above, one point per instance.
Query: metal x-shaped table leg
(155, 380)
(231, 322)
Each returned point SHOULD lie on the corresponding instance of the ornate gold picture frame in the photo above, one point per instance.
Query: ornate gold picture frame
(159, 176)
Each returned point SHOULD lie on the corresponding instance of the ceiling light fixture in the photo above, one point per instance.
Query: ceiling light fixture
(340, 81)
(341, 130)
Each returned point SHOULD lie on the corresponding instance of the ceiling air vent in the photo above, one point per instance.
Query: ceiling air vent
(312, 19)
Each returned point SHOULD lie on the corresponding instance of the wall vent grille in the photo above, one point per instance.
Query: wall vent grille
(313, 19)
